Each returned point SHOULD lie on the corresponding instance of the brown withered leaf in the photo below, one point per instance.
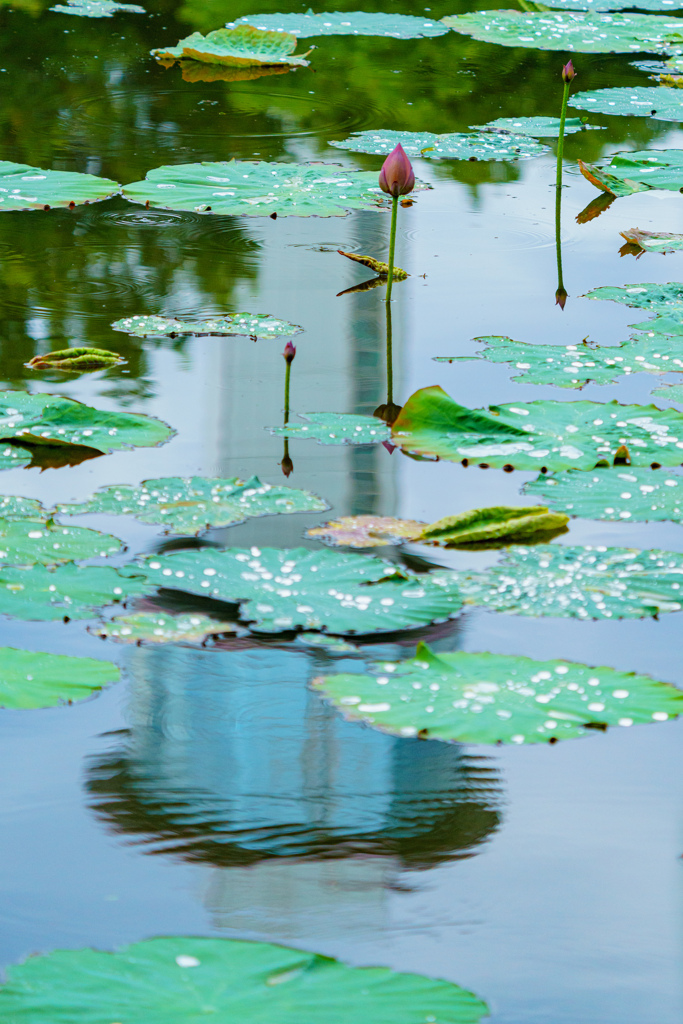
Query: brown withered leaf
(381, 269)
(366, 531)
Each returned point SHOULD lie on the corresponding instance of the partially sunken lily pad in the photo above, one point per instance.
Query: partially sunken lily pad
(23, 187)
(281, 590)
(176, 979)
(161, 628)
(69, 591)
(346, 23)
(31, 541)
(497, 698)
(254, 325)
(366, 531)
(242, 46)
(193, 504)
(616, 492)
(627, 173)
(653, 241)
(30, 679)
(96, 8)
(76, 360)
(456, 146)
(580, 33)
(536, 127)
(555, 435)
(336, 428)
(255, 188)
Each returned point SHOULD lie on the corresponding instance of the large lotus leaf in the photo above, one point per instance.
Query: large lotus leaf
(652, 241)
(241, 46)
(660, 102)
(196, 503)
(671, 392)
(556, 435)
(13, 507)
(497, 698)
(336, 428)
(31, 679)
(23, 187)
(346, 23)
(536, 127)
(579, 582)
(662, 300)
(31, 541)
(50, 419)
(176, 980)
(573, 366)
(614, 5)
(255, 188)
(254, 325)
(613, 492)
(69, 591)
(161, 628)
(12, 457)
(282, 589)
(581, 33)
(96, 8)
(456, 146)
(627, 173)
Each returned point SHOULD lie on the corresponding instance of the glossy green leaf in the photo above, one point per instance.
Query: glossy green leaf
(23, 187)
(614, 492)
(498, 523)
(255, 188)
(13, 457)
(536, 127)
(664, 301)
(671, 392)
(83, 359)
(346, 23)
(31, 541)
(255, 325)
(627, 173)
(70, 591)
(497, 698)
(653, 241)
(31, 679)
(96, 8)
(194, 504)
(528, 435)
(336, 428)
(161, 628)
(660, 102)
(242, 46)
(14, 507)
(456, 146)
(615, 5)
(281, 589)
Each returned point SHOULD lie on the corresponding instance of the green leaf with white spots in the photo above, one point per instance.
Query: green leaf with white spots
(76, 592)
(96, 8)
(346, 23)
(658, 102)
(574, 366)
(177, 979)
(671, 392)
(13, 507)
(336, 428)
(536, 127)
(161, 628)
(23, 187)
(497, 698)
(31, 541)
(242, 46)
(579, 33)
(13, 457)
(254, 325)
(528, 435)
(280, 589)
(628, 173)
(578, 582)
(193, 504)
(663, 301)
(454, 146)
(652, 241)
(615, 5)
(614, 492)
(31, 679)
(255, 188)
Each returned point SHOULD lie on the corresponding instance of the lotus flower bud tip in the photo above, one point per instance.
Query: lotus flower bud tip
(568, 73)
(397, 177)
(289, 352)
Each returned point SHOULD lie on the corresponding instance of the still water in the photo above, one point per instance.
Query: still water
(211, 792)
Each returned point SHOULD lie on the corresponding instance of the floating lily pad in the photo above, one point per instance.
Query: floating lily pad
(336, 428)
(31, 541)
(53, 420)
(346, 23)
(556, 435)
(299, 589)
(663, 301)
(536, 127)
(71, 591)
(615, 5)
(13, 507)
(161, 628)
(615, 492)
(653, 241)
(574, 366)
(241, 46)
(497, 698)
(366, 531)
(627, 173)
(12, 457)
(76, 360)
(671, 392)
(579, 582)
(580, 33)
(96, 8)
(31, 679)
(255, 325)
(191, 505)
(23, 187)
(176, 979)
(455, 146)
(255, 188)
(660, 102)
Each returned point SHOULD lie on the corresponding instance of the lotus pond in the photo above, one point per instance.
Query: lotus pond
(346, 686)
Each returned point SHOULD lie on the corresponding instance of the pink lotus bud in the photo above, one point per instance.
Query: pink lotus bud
(397, 177)
(568, 73)
(289, 352)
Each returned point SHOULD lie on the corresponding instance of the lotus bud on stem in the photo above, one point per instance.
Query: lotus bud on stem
(289, 353)
(568, 76)
(396, 178)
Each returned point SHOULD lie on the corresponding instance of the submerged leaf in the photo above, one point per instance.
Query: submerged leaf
(253, 325)
(76, 360)
(31, 541)
(96, 8)
(31, 679)
(536, 127)
(161, 628)
(381, 269)
(628, 173)
(660, 103)
(615, 492)
(346, 23)
(336, 428)
(23, 187)
(70, 591)
(454, 146)
(241, 46)
(653, 241)
(366, 531)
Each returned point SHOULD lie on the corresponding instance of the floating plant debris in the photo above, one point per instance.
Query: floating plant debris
(241, 46)
(76, 360)
(31, 679)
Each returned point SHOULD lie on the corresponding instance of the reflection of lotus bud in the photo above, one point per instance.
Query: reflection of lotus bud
(568, 73)
(396, 177)
(560, 297)
(287, 465)
(289, 352)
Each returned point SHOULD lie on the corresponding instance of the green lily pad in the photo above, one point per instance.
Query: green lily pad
(299, 589)
(12, 457)
(497, 698)
(194, 504)
(31, 679)
(346, 23)
(23, 187)
(454, 146)
(53, 420)
(628, 173)
(574, 366)
(76, 360)
(161, 628)
(336, 428)
(556, 435)
(615, 5)
(31, 541)
(255, 188)
(614, 492)
(653, 241)
(242, 46)
(254, 325)
(71, 591)
(579, 33)
(96, 8)
(659, 102)
(13, 507)
(663, 301)
(536, 127)
(578, 582)
(671, 392)
(177, 979)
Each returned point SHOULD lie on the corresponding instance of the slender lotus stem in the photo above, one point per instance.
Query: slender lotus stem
(288, 370)
(392, 246)
(561, 294)
(390, 357)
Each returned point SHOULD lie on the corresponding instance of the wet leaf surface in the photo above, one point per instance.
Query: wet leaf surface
(75, 592)
(653, 241)
(663, 301)
(257, 325)
(241, 46)
(613, 493)
(161, 628)
(536, 127)
(666, 6)
(336, 428)
(76, 360)
(31, 679)
(13, 457)
(456, 146)
(30, 188)
(346, 23)
(30, 541)
(96, 8)
(660, 103)
(628, 173)
(671, 392)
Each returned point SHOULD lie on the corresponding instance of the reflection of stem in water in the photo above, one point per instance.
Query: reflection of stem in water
(288, 371)
(287, 465)
(392, 246)
(561, 294)
(390, 353)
